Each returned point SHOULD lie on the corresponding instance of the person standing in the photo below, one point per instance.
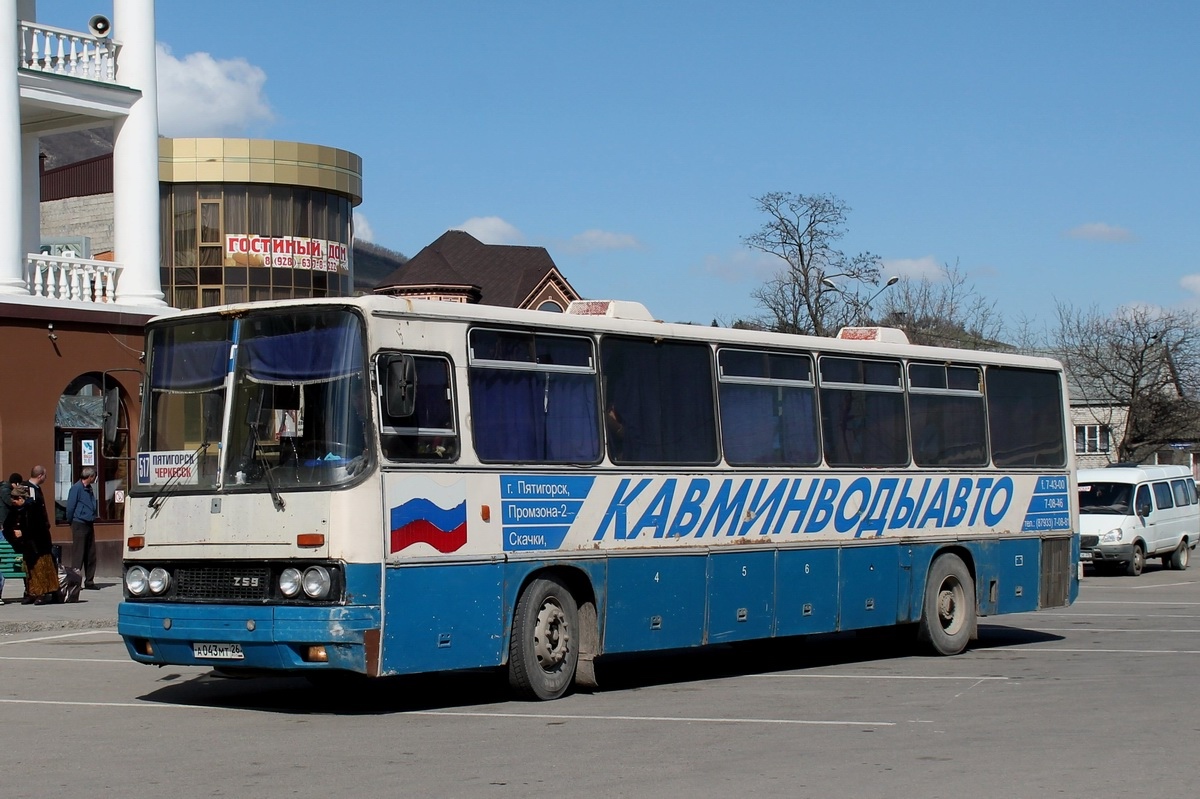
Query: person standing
(27, 523)
(6, 487)
(37, 498)
(81, 513)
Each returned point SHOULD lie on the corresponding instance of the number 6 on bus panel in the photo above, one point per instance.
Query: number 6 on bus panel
(379, 486)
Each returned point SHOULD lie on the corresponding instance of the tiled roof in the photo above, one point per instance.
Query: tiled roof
(503, 274)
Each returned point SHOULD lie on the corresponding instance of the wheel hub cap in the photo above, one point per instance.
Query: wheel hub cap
(552, 638)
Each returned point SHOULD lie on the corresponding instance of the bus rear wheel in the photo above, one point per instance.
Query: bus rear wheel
(543, 650)
(948, 617)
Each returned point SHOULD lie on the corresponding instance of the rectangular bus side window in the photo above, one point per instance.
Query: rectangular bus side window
(947, 419)
(534, 397)
(862, 412)
(1025, 417)
(768, 408)
(429, 432)
(658, 401)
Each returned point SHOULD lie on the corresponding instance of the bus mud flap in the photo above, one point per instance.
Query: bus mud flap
(585, 672)
(589, 642)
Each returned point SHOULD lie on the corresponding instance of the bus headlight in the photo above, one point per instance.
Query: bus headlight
(317, 582)
(137, 581)
(159, 580)
(1112, 536)
(289, 582)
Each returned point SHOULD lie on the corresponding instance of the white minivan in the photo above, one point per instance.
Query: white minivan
(1130, 513)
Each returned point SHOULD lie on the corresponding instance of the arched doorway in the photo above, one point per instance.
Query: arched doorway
(91, 428)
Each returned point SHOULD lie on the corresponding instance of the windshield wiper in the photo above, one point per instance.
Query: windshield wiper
(158, 499)
(260, 457)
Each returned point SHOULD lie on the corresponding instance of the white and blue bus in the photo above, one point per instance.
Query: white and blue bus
(385, 486)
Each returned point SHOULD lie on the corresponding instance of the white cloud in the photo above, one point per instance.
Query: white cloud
(742, 265)
(1190, 283)
(362, 228)
(927, 268)
(1099, 231)
(591, 240)
(492, 230)
(199, 95)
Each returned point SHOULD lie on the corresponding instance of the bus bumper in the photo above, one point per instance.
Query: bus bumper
(252, 637)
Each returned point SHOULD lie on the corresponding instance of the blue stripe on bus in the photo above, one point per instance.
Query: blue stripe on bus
(458, 616)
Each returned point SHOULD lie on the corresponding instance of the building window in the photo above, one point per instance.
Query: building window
(224, 242)
(1091, 438)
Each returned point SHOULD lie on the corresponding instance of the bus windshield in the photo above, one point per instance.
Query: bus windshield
(292, 414)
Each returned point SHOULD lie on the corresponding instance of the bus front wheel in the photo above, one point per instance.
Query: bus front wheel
(543, 649)
(948, 617)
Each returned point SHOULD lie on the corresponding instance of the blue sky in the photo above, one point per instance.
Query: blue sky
(1051, 149)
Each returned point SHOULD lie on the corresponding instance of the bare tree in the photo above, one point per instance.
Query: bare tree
(1140, 366)
(802, 230)
(947, 312)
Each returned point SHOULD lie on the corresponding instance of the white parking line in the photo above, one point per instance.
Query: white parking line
(157, 705)
(488, 714)
(1107, 630)
(875, 677)
(77, 660)
(57, 637)
(667, 719)
(1122, 602)
(1053, 650)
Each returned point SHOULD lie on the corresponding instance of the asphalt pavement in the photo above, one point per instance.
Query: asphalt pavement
(95, 610)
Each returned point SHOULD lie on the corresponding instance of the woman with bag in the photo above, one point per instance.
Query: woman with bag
(26, 524)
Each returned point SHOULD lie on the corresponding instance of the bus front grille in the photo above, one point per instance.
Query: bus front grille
(247, 583)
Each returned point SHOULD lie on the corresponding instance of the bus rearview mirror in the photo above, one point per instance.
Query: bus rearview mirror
(401, 386)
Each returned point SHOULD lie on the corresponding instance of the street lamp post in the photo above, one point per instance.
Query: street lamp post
(861, 307)
(891, 281)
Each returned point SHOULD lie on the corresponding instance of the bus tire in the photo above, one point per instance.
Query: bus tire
(543, 650)
(1137, 561)
(948, 616)
(1180, 557)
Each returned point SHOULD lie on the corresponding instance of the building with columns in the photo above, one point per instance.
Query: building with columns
(71, 326)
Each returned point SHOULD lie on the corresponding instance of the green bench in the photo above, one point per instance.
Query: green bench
(11, 564)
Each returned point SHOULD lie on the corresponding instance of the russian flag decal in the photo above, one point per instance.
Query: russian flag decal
(419, 521)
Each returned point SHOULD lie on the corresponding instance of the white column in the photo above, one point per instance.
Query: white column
(31, 193)
(12, 265)
(135, 159)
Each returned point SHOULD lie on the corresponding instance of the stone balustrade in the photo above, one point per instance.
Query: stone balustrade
(72, 53)
(81, 280)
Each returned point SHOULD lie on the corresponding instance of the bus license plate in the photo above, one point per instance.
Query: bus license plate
(218, 651)
(1085, 557)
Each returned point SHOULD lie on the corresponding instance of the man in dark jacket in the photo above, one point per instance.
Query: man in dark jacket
(6, 505)
(81, 513)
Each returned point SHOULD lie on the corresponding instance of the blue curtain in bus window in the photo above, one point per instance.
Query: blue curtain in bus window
(307, 356)
(533, 416)
(749, 424)
(501, 415)
(572, 430)
(798, 427)
(187, 367)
